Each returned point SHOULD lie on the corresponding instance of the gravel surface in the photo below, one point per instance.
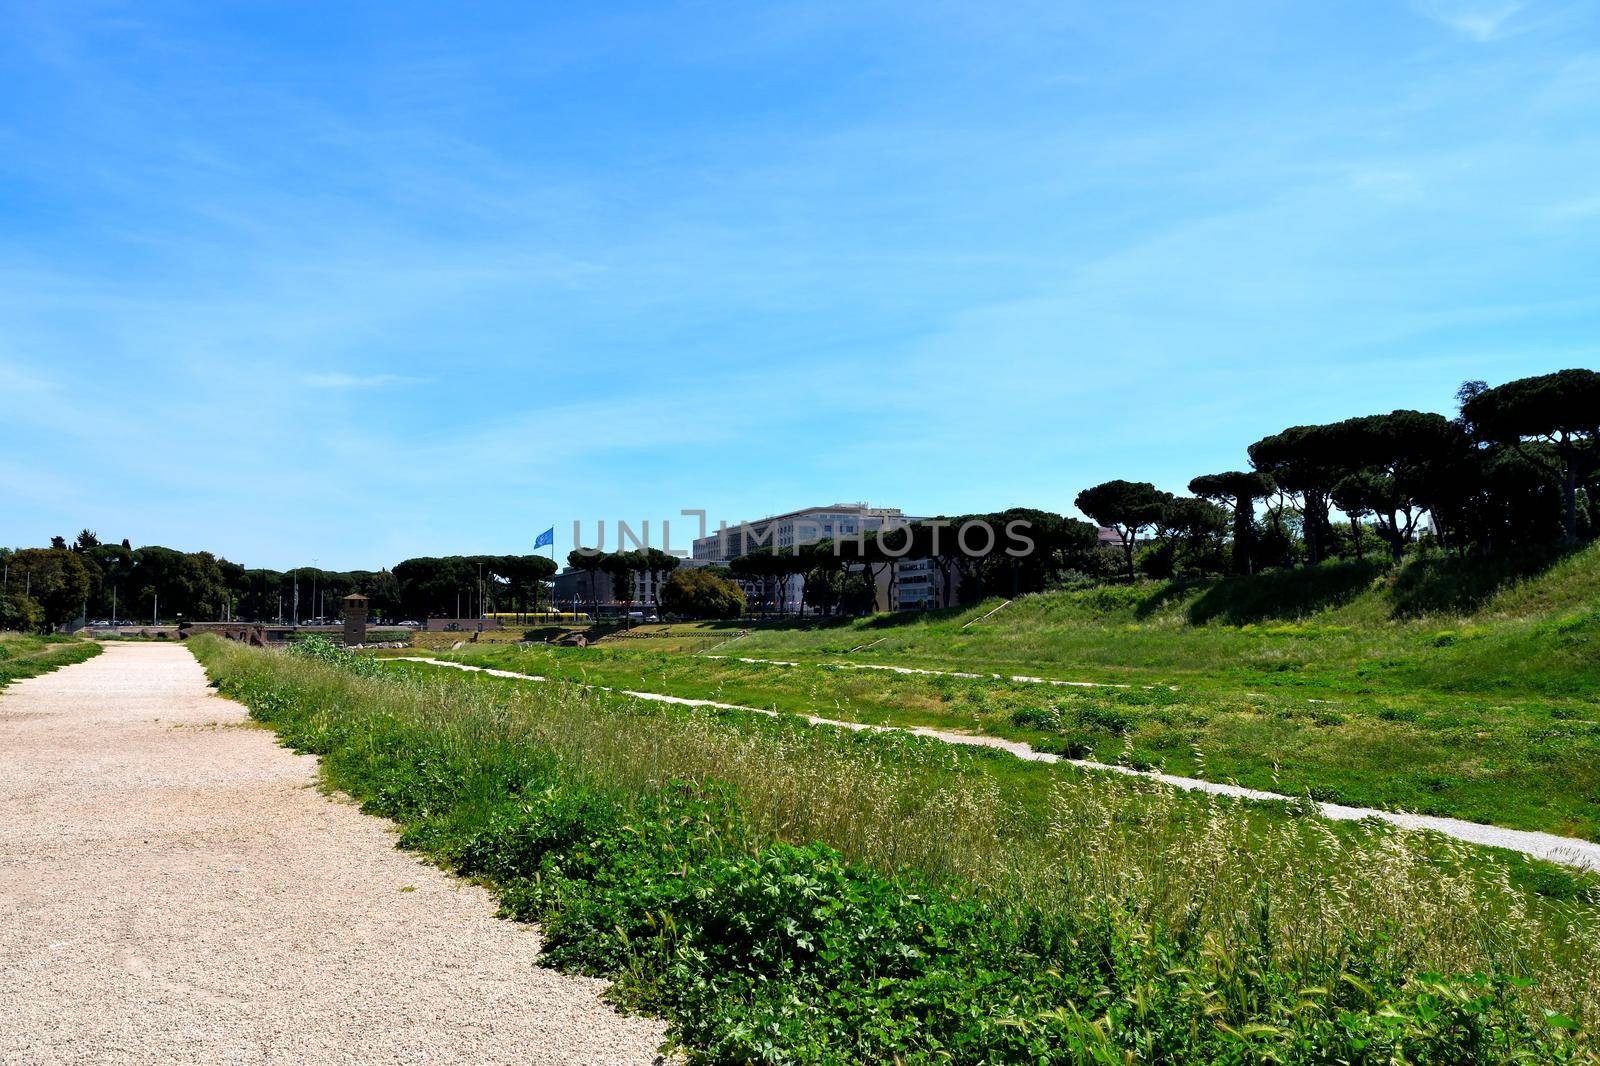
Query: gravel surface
(1567, 851)
(174, 888)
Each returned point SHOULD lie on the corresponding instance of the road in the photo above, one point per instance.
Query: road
(174, 887)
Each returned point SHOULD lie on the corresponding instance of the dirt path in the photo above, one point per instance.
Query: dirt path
(1567, 851)
(173, 888)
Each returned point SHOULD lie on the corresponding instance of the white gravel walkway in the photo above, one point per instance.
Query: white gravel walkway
(174, 888)
(831, 665)
(1567, 851)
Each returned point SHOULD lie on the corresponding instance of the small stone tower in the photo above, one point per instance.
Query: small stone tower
(355, 619)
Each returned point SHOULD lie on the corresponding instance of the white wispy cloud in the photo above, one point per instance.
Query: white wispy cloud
(1482, 21)
(341, 380)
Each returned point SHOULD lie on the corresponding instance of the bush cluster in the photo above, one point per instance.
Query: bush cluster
(318, 648)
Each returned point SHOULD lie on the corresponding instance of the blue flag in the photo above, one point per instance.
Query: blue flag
(547, 537)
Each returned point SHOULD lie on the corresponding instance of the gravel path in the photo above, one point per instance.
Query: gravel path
(1567, 851)
(1025, 678)
(174, 888)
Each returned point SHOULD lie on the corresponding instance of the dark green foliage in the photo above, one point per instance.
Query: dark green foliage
(1190, 539)
(1303, 461)
(1394, 467)
(592, 563)
(428, 586)
(54, 579)
(622, 566)
(1560, 411)
(698, 594)
(1239, 490)
(762, 951)
(20, 613)
(1129, 507)
(827, 591)
(771, 571)
(658, 566)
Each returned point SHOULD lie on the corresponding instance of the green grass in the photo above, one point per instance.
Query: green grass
(25, 655)
(1528, 763)
(1349, 695)
(1317, 624)
(784, 893)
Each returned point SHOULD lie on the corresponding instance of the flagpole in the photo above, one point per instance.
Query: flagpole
(547, 537)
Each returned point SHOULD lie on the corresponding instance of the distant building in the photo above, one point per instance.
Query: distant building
(573, 591)
(918, 585)
(796, 527)
(907, 585)
(808, 525)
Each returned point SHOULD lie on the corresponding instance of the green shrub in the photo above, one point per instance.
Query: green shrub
(699, 594)
(21, 613)
(318, 648)
(1047, 717)
(1106, 719)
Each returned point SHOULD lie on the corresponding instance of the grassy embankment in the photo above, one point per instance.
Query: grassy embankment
(784, 893)
(1491, 713)
(25, 655)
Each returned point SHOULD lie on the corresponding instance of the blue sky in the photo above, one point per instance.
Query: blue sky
(360, 281)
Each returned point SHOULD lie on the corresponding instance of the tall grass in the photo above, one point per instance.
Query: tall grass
(1522, 762)
(1236, 893)
(1202, 867)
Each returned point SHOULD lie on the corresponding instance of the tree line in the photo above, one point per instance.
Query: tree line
(844, 576)
(624, 568)
(1517, 470)
(44, 587)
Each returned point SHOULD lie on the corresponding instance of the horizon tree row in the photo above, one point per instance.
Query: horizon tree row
(1516, 470)
(45, 587)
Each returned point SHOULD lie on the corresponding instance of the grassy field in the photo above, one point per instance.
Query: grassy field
(1342, 627)
(1528, 762)
(1492, 716)
(25, 655)
(783, 893)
